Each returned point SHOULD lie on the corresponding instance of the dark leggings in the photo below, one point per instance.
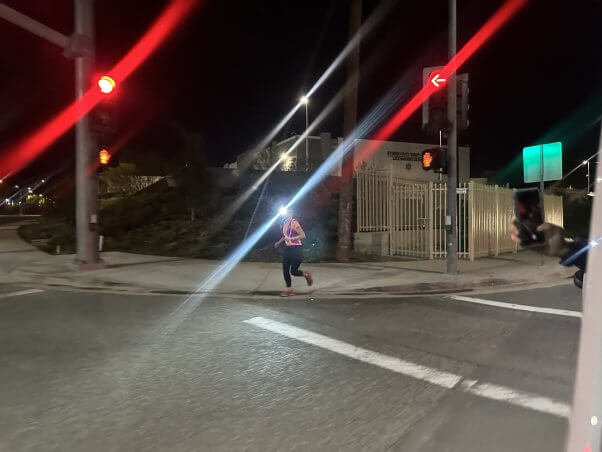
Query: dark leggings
(290, 263)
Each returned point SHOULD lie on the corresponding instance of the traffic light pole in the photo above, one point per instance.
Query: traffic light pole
(81, 47)
(452, 153)
(86, 217)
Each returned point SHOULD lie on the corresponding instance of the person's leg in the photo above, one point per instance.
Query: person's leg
(296, 261)
(286, 267)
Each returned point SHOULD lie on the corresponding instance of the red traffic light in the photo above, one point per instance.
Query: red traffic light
(104, 157)
(106, 84)
(436, 79)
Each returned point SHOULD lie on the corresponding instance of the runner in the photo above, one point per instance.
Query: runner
(292, 234)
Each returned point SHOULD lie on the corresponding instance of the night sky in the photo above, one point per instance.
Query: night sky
(234, 68)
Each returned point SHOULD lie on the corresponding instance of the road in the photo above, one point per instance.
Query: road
(106, 372)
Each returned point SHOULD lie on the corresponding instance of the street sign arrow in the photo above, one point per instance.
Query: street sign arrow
(436, 79)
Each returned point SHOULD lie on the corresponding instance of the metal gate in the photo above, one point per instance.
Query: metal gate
(409, 220)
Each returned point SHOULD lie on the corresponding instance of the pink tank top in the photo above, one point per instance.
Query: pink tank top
(289, 229)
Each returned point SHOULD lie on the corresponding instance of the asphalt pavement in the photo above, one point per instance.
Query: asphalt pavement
(115, 372)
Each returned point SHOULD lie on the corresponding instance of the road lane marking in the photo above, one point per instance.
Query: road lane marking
(516, 397)
(517, 307)
(434, 376)
(22, 292)
(437, 377)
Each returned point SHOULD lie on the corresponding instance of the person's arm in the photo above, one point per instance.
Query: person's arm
(277, 244)
(576, 255)
(570, 252)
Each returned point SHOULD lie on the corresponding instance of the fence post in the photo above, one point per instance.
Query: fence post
(497, 220)
(390, 207)
(471, 221)
(430, 214)
(358, 200)
(515, 244)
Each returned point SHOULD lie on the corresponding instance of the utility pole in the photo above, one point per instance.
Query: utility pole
(349, 123)
(80, 46)
(452, 153)
(86, 216)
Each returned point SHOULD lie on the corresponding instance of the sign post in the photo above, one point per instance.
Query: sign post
(542, 162)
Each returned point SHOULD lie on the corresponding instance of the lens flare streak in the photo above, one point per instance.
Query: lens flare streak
(507, 10)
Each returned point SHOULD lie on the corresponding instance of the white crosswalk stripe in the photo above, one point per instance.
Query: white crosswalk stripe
(428, 374)
(516, 307)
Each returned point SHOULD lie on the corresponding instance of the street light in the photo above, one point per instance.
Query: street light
(286, 160)
(586, 163)
(305, 101)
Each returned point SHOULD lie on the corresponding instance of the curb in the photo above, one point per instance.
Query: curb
(417, 289)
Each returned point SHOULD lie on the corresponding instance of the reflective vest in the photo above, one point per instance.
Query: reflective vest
(289, 229)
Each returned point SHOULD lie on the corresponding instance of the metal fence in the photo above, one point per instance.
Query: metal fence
(414, 215)
(372, 200)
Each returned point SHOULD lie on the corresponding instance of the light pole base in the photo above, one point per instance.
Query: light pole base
(87, 266)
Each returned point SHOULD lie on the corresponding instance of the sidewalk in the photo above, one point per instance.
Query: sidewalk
(24, 263)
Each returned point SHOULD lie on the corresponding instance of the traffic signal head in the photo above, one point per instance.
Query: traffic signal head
(434, 109)
(104, 157)
(106, 160)
(436, 79)
(434, 159)
(427, 160)
(106, 84)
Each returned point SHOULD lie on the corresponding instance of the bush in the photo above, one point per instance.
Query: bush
(577, 215)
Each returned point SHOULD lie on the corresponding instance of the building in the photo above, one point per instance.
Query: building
(405, 160)
(318, 149)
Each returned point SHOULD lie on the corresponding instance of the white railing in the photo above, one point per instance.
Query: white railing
(372, 200)
(490, 214)
(414, 215)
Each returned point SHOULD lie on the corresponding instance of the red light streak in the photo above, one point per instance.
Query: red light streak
(14, 159)
(495, 22)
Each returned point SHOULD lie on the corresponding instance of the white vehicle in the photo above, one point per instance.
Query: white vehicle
(586, 417)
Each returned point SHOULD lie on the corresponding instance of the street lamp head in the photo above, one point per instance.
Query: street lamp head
(304, 100)
(585, 162)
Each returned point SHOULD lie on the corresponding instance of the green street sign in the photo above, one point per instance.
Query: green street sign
(551, 154)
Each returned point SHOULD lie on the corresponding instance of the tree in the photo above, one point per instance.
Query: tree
(125, 180)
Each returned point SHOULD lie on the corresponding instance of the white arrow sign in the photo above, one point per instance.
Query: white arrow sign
(437, 79)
